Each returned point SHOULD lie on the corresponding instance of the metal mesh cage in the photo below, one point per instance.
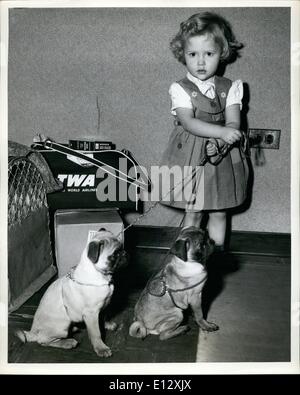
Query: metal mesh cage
(26, 189)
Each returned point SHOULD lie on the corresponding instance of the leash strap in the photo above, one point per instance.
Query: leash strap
(165, 288)
(152, 206)
(223, 151)
(184, 289)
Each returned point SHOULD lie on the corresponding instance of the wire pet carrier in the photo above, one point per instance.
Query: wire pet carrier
(26, 190)
(30, 260)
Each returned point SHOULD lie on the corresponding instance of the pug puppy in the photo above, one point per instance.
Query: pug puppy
(79, 296)
(159, 310)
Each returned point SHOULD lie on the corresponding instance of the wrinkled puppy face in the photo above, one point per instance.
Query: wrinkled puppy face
(193, 244)
(106, 252)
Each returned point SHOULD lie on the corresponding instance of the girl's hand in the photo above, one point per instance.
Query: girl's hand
(231, 135)
(211, 149)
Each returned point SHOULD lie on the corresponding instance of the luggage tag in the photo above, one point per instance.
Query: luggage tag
(81, 162)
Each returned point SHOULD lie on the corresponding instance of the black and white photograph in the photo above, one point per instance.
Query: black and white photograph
(149, 187)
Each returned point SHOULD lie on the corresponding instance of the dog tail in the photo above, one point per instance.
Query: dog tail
(25, 336)
(138, 329)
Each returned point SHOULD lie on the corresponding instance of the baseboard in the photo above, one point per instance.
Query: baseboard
(241, 242)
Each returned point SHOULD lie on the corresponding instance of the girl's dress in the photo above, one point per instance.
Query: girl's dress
(208, 187)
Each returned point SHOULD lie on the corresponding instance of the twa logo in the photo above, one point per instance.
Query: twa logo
(77, 180)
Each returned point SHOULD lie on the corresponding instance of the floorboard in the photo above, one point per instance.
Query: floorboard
(248, 243)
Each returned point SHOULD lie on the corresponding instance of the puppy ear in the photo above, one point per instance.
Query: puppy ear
(94, 249)
(180, 249)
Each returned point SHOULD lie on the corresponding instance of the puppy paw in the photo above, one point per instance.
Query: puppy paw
(103, 352)
(67, 344)
(110, 325)
(70, 343)
(208, 326)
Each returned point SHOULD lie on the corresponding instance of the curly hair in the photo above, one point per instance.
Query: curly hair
(211, 24)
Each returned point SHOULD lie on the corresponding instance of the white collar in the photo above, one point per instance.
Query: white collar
(210, 81)
(202, 85)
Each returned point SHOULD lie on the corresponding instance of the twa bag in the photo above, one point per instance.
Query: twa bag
(85, 185)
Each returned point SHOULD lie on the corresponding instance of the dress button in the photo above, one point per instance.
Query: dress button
(179, 146)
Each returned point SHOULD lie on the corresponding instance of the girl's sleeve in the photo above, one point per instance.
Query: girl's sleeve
(235, 94)
(179, 98)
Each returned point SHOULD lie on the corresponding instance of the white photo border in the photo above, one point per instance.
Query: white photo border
(162, 368)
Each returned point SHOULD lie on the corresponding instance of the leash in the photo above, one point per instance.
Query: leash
(171, 291)
(165, 288)
(161, 280)
(152, 206)
(49, 144)
(221, 153)
(225, 148)
(157, 285)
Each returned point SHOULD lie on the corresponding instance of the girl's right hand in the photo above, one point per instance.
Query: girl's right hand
(231, 135)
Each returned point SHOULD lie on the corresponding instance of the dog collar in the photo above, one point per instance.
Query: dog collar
(71, 277)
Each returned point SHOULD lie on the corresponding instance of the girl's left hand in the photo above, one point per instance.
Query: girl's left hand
(211, 149)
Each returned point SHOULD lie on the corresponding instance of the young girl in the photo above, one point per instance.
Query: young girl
(207, 117)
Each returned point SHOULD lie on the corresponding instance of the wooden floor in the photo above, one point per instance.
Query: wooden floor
(253, 313)
(248, 296)
(125, 348)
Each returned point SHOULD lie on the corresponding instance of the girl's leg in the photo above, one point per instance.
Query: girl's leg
(192, 219)
(217, 227)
